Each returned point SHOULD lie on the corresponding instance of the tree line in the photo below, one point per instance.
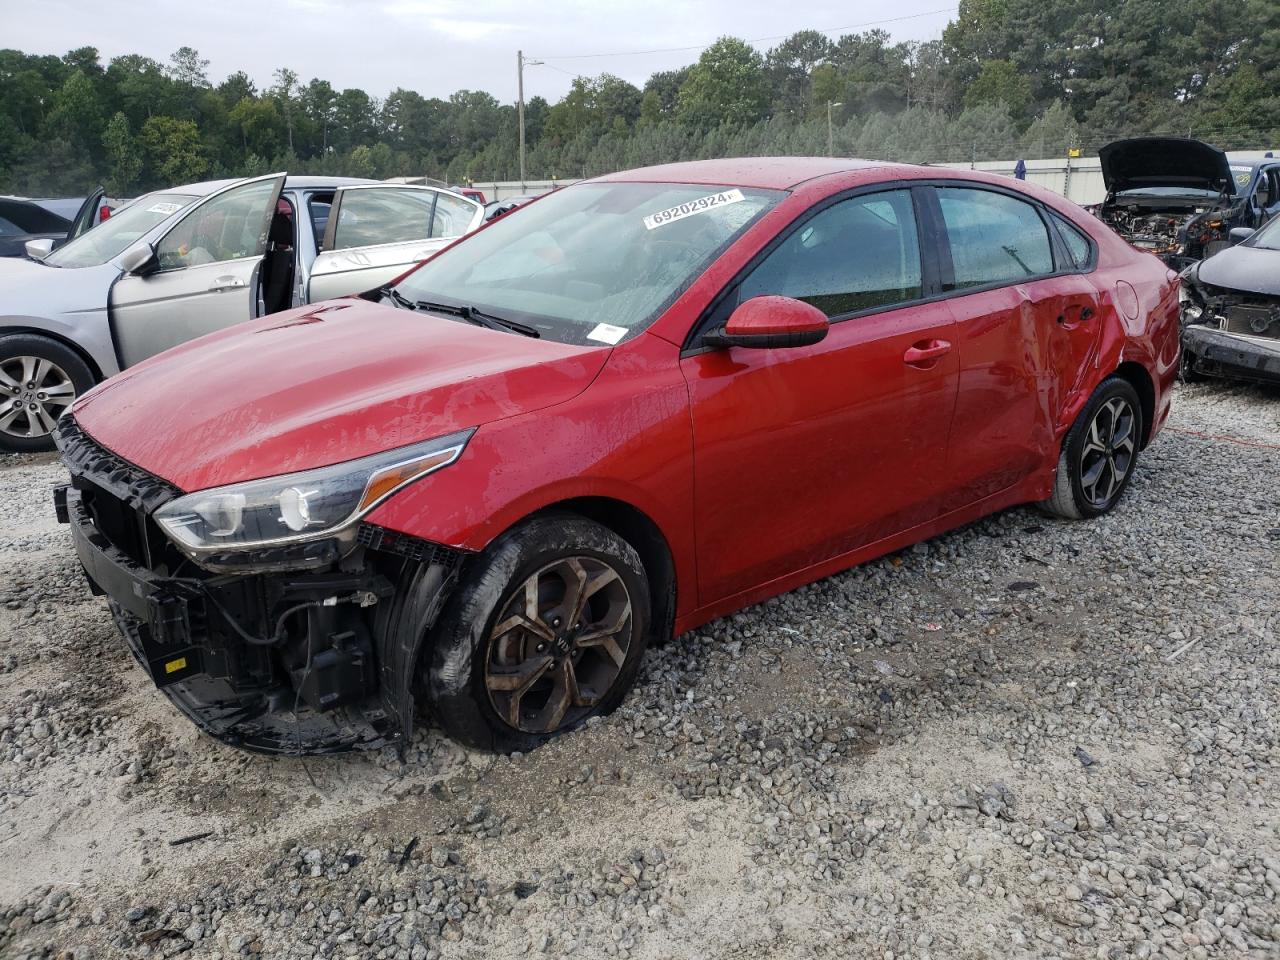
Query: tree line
(1007, 78)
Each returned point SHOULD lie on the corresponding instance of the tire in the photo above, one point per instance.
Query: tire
(28, 363)
(499, 681)
(1095, 453)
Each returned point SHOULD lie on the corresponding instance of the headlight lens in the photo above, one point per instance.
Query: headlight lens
(300, 506)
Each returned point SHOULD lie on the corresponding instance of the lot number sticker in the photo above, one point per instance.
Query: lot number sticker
(680, 211)
(607, 333)
(164, 207)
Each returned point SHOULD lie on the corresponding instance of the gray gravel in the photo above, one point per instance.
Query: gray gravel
(1027, 738)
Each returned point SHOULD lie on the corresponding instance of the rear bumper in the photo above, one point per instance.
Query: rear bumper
(1217, 353)
(244, 695)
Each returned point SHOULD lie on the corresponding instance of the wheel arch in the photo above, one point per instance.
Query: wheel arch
(1138, 377)
(79, 351)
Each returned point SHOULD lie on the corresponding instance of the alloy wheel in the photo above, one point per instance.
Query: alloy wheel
(34, 393)
(559, 644)
(1108, 453)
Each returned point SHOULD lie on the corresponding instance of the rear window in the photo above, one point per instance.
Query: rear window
(994, 238)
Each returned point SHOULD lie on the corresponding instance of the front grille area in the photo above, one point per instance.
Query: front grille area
(1253, 319)
(119, 496)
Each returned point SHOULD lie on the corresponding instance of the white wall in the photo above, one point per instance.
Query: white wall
(1077, 179)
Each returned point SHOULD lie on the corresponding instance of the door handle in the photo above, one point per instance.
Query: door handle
(225, 283)
(1086, 313)
(925, 353)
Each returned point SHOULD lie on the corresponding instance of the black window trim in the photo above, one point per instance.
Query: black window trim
(935, 251)
(929, 276)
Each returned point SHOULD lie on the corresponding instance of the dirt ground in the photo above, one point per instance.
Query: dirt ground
(1024, 738)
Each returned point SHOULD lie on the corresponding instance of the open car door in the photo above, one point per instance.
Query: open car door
(203, 276)
(378, 231)
(86, 216)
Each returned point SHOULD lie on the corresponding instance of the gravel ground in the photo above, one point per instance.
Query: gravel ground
(1027, 738)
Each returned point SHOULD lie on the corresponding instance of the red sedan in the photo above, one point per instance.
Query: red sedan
(647, 401)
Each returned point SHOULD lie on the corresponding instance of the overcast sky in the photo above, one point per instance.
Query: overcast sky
(439, 46)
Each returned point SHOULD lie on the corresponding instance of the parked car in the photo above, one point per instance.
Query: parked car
(1231, 310)
(499, 208)
(180, 263)
(1180, 198)
(48, 223)
(646, 401)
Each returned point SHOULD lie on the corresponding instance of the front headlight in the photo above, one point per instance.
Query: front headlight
(297, 507)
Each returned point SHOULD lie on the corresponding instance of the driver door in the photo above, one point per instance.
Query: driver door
(376, 232)
(204, 276)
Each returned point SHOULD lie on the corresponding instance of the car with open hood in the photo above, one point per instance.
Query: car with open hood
(1179, 198)
(182, 262)
(640, 403)
(1231, 310)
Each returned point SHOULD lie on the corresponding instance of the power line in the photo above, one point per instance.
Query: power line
(780, 36)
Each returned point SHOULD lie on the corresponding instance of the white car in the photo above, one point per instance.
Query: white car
(179, 263)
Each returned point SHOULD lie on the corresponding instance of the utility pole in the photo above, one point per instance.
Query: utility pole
(831, 139)
(521, 62)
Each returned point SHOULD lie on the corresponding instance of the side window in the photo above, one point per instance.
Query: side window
(390, 215)
(228, 227)
(318, 206)
(1077, 244)
(855, 255)
(994, 238)
(453, 216)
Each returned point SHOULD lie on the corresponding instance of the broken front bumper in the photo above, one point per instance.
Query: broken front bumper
(312, 652)
(1217, 353)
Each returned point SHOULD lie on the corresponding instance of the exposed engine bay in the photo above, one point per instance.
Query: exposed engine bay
(1175, 232)
(1227, 331)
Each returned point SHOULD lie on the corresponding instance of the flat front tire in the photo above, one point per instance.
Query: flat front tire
(1099, 453)
(547, 630)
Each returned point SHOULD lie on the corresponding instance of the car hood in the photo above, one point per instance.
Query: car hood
(319, 385)
(30, 289)
(1163, 162)
(1250, 269)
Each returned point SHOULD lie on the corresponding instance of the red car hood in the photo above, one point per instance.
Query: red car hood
(319, 385)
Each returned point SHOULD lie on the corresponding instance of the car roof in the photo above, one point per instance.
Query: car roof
(769, 173)
(301, 182)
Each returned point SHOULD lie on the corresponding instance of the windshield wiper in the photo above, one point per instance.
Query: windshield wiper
(472, 315)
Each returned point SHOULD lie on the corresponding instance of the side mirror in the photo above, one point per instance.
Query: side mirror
(140, 259)
(38, 249)
(771, 323)
(1237, 234)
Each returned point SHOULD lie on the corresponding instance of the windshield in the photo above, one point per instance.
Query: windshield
(1268, 238)
(591, 263)
(111, 237)
(1241, 177)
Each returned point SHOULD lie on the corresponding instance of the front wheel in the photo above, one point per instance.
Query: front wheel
(39, 378)
(547, 630)
(1099, 453)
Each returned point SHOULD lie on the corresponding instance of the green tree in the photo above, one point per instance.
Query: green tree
(173, 150)
(1000, 82)
(727, 86)
(123, 156)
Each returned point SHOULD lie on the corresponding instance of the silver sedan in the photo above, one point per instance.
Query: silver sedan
(180, 263)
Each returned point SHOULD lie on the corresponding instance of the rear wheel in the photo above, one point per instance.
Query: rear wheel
(547, 631)
(1099, 453)
(39, 378)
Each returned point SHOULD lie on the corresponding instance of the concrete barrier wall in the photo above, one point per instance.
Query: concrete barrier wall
(1077, 179)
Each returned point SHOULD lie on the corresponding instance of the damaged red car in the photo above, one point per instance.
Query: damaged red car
(643, 402)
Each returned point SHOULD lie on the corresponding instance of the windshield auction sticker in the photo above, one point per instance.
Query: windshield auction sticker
(607, 333)
(680, 211)
(164, 207)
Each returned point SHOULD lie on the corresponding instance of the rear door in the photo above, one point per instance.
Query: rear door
(208, 273)
(377, 231)
(1027, 327)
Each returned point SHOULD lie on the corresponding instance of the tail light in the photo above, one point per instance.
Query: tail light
(104, 212)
